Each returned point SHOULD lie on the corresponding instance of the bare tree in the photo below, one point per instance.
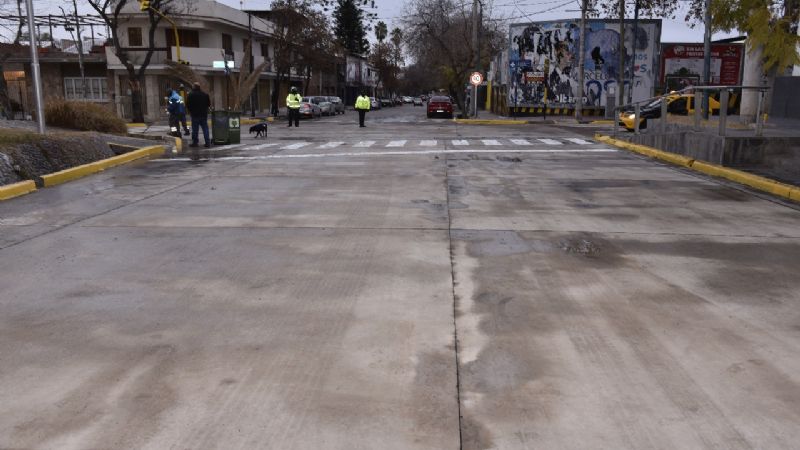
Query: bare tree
(112, 13)
(79, 42)
(439, 34)
(5, 100)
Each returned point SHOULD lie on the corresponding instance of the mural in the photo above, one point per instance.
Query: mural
(543, 60)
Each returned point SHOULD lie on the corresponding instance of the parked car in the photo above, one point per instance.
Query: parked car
(417, 101)
(309, 109)
(386, 102)
(680, 104)
(440, 106)
(374, 103)
(398, 101)
(424, 97)
(408, 99)
(338, 105)
(325, 106)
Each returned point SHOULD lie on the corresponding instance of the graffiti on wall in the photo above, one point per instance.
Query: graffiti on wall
(543, 61)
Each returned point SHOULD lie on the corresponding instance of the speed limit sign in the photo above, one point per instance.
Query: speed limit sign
(476, 78)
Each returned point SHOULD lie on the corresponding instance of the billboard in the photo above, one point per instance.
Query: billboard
(682, 65)
(552, 48)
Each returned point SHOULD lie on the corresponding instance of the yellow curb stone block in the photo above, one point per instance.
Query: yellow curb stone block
(16, 189)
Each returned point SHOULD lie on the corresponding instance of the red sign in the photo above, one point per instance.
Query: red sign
(687, 60)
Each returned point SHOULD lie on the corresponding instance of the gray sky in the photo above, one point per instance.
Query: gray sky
(391, 11)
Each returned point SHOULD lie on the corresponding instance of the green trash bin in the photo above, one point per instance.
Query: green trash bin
(219, 127)
(226, 127)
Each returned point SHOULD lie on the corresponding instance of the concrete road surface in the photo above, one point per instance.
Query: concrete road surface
(416, 284)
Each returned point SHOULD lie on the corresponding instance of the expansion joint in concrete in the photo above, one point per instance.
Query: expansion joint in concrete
(455, 301)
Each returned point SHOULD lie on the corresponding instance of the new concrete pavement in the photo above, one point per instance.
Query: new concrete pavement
(331, 287)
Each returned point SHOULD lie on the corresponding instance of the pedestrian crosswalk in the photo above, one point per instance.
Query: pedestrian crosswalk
(427, 143)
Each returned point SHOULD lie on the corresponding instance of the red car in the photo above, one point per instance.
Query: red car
(440, 106)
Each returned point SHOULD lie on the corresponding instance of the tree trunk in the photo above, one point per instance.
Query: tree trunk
(5, 101)
(137, 112)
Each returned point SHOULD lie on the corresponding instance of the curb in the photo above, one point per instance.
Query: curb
(135, 125)
(760, 183)
(490, 121)
(74, 173)
(16, 189)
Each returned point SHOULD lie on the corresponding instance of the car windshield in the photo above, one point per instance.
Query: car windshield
(440, 100)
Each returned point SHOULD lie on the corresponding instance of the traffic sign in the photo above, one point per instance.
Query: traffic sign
(476, 78)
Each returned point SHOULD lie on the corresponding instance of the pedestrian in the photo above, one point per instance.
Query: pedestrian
(173, 97)
(198, 102)
(293, 106)
(363, 104)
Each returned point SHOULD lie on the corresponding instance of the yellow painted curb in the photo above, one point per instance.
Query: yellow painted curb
(74, 173)
(135, 125)
(491, 121)
(16, 189)
(748, 179)
(602, 122)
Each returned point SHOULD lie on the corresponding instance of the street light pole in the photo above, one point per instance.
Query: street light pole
(37, 76)
(475, 48)
(581, 63)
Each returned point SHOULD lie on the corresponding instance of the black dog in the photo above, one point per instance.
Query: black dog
(260, 129)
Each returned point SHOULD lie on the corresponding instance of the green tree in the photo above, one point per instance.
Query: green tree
(349, 29)
(772, 26)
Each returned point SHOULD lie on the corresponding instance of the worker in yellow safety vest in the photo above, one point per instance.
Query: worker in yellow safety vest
(293, 106)
(362, 106)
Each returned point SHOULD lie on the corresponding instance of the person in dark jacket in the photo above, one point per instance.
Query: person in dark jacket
(174, 97)
(198, 102)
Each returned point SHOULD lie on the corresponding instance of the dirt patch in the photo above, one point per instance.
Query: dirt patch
(28, 157)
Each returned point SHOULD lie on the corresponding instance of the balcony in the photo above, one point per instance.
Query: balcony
(199, 58)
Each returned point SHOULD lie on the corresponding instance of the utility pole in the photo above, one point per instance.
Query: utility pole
(707, 57)
(37, 76)
(633, 47)
(581, 63)
(621, 66)
(475, 49)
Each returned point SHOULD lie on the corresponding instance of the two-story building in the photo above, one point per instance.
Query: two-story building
(210, 33)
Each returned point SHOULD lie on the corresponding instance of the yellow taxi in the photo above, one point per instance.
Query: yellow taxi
(680, 104)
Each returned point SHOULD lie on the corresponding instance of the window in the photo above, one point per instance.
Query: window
(265, 51)
(227, 43)
(245, 43)
(135, 37)
(96, 89)
(189, 38)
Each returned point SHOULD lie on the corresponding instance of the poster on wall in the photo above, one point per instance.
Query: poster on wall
(552, 48)
(682, 65)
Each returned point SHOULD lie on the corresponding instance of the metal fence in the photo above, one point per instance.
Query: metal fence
(634, 110)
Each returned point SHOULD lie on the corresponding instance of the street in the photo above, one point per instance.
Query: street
(414, 284)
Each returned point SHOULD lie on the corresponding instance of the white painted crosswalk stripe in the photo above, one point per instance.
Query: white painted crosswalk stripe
(578, 141)
(260, 147)
(460, 142)
(491, 142)
(365, 144)
(549, 141)
(427, 143)
(295, 146)
(396, 143)
(331, 145)
(521, 141)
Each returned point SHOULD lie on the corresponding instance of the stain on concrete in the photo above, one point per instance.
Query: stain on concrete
(474, 436)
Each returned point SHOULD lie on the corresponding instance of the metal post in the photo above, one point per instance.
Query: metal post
(636, 111)
(706, 58)
(697, 111)
(581, 63)
(621, 65)
(37, 76)
(759, 119)
(723, 112)
(633, 47)
(664, 114)
(616, 123)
